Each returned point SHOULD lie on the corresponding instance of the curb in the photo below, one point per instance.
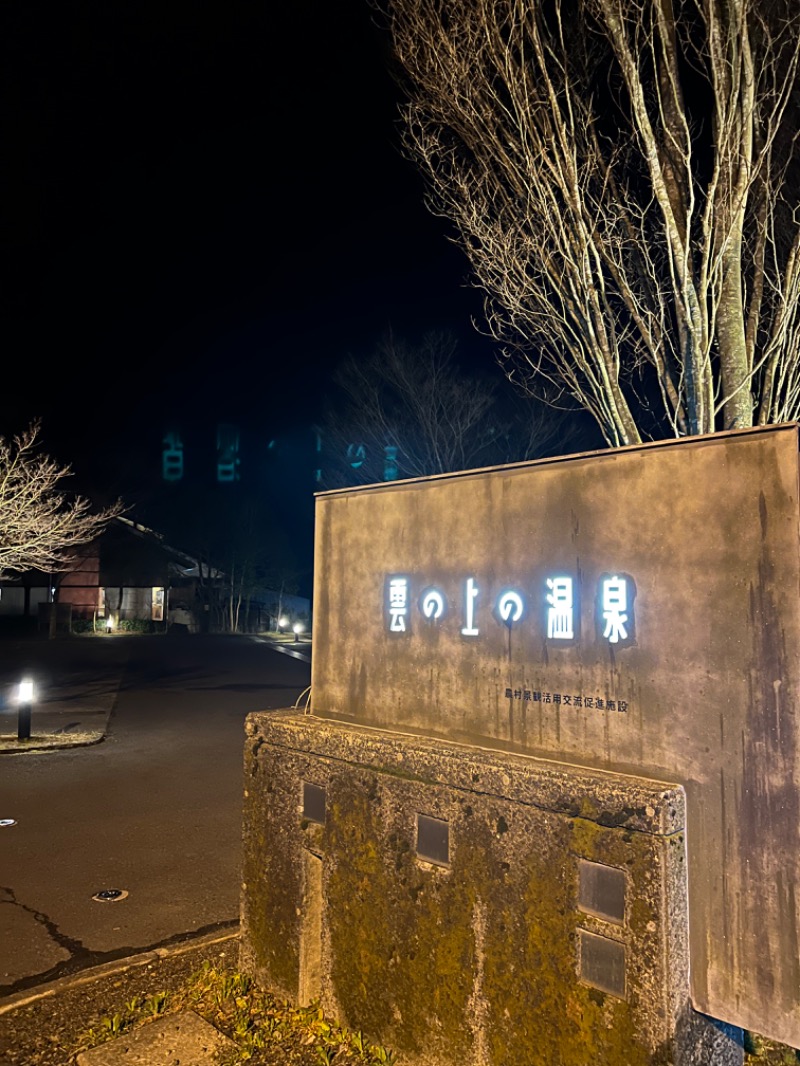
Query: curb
(43, 748)
(110, 969)
(98, 735)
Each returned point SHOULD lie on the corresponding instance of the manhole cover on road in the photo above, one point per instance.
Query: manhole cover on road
(109, 895)
(7, 821)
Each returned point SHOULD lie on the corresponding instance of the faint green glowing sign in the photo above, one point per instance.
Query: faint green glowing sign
(356, 454)
(172, 457)
(391, 467)
(227, 453)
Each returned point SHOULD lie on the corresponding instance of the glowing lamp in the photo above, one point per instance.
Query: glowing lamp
(25, 694)
(25, 691)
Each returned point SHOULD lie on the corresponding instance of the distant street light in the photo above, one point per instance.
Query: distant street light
(25, 695)
(283, 622)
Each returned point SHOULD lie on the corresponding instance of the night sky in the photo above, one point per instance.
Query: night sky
(206, 209)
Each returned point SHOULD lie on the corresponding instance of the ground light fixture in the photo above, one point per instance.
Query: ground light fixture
(25, 696)
(109, 624)
(110, 895)
(297, 629)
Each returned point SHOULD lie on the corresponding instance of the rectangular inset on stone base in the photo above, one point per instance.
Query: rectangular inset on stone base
(310, 983)
(603, 963)
(314, 799)
(433, 839)
(601, 891)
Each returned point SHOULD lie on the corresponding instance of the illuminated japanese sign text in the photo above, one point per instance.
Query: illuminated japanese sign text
(555, 600)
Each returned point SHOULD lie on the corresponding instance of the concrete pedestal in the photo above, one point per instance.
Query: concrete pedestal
(467, 905)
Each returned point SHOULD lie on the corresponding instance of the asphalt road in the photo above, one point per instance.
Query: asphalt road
(153, 810)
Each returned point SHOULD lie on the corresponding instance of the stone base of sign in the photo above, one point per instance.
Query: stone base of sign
(470, 906)
(183, 1039)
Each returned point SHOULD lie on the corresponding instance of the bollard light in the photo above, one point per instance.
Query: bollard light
(109, 624)
(297, 629)
(25, 694)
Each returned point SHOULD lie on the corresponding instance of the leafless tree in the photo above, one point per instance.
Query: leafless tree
(619, 173)
(41, 526)
(414, 406)
(255, 555)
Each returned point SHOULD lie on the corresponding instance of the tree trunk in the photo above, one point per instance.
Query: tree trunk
(734, 365)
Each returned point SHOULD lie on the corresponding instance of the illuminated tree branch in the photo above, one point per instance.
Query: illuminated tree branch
(40, 525)
(619, 175)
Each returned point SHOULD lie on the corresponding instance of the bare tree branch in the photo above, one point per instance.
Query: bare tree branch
(619, 175)
(416, 401)
(40, 525)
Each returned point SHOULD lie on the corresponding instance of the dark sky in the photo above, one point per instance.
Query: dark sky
(206, 209)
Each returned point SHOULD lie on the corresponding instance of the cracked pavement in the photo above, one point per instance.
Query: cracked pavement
(39, 944)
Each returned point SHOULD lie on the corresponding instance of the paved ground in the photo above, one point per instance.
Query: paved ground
(154, 810)
(76, 685)
(75, 688)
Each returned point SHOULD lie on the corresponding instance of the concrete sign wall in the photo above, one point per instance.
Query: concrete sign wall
(634, 610)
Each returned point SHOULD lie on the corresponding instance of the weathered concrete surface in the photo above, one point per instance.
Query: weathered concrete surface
(183, 1039)
(477, 960)
(706, 531)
